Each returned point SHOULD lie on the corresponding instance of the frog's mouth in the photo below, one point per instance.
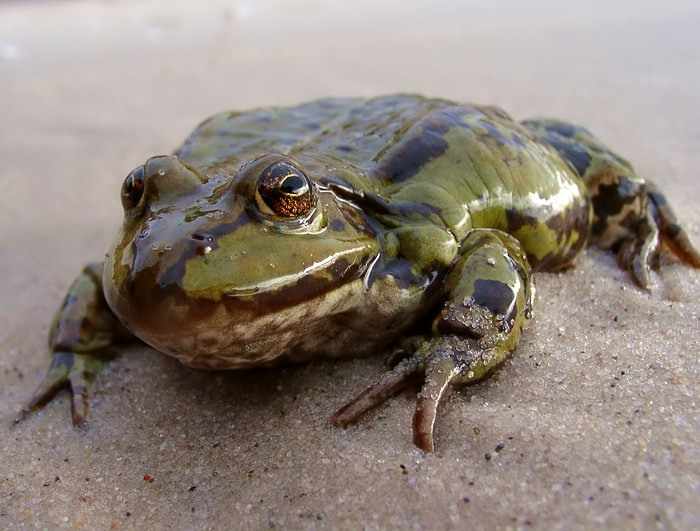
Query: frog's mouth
(214, 323)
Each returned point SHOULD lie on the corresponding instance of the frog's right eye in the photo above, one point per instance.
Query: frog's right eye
(285, 192)
(133, 188)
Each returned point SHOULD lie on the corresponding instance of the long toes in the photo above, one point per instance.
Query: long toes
(79, 406)
(672, 233)
(55, 379)
(439, 374)
(80, 376)
(637, 253)
(387, 385)
(68, 369)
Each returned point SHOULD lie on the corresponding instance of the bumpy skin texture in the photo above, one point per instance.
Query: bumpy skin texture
(339, 227)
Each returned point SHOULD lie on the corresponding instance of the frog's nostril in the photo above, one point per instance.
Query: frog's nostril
(204, 243)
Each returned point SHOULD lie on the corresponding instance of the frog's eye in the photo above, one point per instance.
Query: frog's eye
(133, 187)
(284, 191)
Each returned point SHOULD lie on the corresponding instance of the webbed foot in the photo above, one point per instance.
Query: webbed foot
(72, 369)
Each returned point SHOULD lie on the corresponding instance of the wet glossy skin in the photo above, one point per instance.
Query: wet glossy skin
(350, 227)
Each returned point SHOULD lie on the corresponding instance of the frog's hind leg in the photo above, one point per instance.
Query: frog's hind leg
(629, 213)
(658, 226)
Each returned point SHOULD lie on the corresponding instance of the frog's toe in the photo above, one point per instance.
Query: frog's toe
(637, 253)
(443, 362)
(671, 232)
(387, 385)
(70, 369)
(440, 373)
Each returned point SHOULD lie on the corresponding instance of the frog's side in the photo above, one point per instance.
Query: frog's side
(337, 227)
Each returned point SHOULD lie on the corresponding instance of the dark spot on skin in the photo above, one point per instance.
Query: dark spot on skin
(566, 129)
(413, 156)
(611, 199)
(495, 296)
(571, 152)
(672, 230)
(494, 132)
(337, 225)
(416, 152)
(208, 243)
(399, 268)
(518, 141)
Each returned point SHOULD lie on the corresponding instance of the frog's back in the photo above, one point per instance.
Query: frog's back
(473, 165)
(347, 130)
(481, 169)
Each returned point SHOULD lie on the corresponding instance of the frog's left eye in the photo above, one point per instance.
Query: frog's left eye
(284, 191)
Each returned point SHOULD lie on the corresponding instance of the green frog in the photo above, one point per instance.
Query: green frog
(349, 227)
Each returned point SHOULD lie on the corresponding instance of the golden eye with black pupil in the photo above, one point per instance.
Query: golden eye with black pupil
(133, 187)
(284, 191)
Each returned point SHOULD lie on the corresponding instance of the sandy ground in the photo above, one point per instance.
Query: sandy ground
(598, 409)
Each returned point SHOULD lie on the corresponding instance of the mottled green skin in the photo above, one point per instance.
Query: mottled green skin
(402, 215)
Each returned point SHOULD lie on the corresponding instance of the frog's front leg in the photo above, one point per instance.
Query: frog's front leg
(490, 297)
(82, 334)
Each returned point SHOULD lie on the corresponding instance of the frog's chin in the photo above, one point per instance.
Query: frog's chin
(323, 326)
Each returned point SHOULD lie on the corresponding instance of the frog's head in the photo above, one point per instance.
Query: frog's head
(232, 268)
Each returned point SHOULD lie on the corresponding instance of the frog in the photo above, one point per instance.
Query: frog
(346, 227)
